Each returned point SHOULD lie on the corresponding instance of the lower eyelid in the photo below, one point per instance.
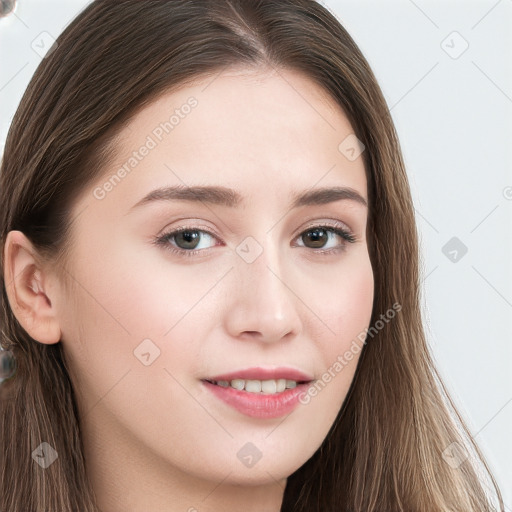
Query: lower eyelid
(338, 230)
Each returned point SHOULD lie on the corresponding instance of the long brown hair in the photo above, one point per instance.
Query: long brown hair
(384, 451)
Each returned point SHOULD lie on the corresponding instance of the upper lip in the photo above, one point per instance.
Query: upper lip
(259, 373)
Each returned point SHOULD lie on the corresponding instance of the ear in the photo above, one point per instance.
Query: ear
(27, 289)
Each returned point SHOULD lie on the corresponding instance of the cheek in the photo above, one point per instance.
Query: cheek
(126, 304)
(344, 303)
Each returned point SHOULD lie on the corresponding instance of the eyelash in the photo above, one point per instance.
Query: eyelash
(338, 229)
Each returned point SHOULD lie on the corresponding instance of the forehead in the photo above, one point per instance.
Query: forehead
(262, 133)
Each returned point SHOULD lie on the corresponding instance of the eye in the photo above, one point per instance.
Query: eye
(187, 241)
(320, 235)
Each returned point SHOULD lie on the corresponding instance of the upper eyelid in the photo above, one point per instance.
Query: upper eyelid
(312, 224)
(329, 224)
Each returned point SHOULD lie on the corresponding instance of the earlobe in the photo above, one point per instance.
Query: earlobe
(27, 290)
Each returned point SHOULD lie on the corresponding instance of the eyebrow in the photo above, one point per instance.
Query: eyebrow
(223, 196)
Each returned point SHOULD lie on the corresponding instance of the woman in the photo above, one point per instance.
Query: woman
(210, 276)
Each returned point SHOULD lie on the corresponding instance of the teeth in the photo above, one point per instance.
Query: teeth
(281, 385)
(253, 386)
(290, 383)
(238, 384)
(268, 387)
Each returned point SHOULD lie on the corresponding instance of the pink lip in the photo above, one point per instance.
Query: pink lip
(259, 373)
(260, 405)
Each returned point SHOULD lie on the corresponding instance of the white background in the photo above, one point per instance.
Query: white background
(452, 109)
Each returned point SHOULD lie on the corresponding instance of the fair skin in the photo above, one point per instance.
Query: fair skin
(155, 438)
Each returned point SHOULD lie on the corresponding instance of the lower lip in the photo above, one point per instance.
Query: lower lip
(259, 405)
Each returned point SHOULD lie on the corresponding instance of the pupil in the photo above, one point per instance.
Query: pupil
(318, 239)
(188, 237)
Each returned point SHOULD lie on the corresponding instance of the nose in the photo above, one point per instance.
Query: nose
(262, 304)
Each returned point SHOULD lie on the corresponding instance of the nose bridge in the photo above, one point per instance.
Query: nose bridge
(259, 267)
(262, 301)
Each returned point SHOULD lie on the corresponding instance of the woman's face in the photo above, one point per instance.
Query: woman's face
(246, 287)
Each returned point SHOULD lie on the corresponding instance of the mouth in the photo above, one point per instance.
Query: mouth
(261, 387)
(263, 398)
